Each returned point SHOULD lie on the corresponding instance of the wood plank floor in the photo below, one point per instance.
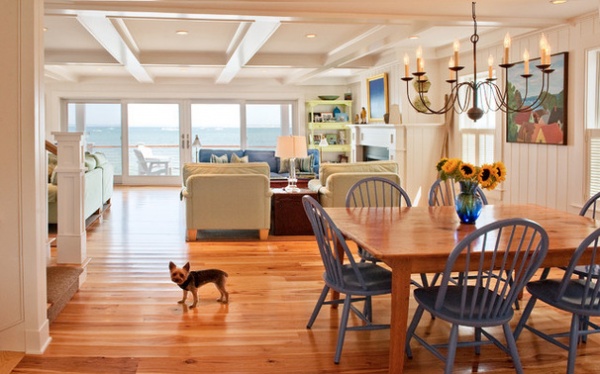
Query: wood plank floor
(125, 318)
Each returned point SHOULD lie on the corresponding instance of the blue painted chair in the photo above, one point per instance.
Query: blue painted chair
(375, 192)
(357, 281)
(482, 297)
(577, 293)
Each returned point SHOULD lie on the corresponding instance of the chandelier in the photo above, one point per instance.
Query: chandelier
(478, 97)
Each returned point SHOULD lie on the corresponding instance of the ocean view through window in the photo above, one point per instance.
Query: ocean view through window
(252, 125)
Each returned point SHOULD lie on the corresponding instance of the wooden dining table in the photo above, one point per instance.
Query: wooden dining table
(413, 240)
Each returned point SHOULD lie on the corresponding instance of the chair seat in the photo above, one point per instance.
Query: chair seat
(548, 289)
(451, 309)
(377, 280)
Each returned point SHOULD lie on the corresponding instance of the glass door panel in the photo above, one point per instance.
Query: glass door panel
(101, 124)
(153, 140)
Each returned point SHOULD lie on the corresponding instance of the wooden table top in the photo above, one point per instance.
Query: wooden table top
(426, 235)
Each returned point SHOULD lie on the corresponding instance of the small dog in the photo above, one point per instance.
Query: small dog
(192, 280)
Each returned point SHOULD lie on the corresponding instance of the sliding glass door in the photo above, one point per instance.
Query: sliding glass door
(153, 133)
(148, 141)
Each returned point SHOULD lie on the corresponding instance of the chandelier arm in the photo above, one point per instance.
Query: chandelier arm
(447, 106)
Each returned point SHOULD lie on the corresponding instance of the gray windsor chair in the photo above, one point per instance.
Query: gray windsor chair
(578, 295)
(482, 297)
(357, 281)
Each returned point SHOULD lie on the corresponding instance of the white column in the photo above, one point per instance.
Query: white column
(23, 224)
(70, 240)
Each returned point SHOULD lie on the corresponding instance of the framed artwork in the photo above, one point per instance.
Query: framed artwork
(331, 139)
(546, 124)
(327, 117)
(377, 96)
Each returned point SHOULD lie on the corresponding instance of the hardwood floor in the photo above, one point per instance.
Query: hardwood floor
(125, 318)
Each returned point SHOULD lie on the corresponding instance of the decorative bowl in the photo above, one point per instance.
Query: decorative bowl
(328, 97)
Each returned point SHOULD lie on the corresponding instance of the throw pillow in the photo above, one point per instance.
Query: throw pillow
(237, 159)
(219, 159)
(284, 165)
(302, 164)
(305, 164)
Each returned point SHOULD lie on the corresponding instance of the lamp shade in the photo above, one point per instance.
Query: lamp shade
(196, 142)
(291, 147)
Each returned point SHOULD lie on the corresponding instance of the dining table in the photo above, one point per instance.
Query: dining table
(414, 240)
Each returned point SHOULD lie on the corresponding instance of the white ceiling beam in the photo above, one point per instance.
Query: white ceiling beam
(103, 30)
(255, 37)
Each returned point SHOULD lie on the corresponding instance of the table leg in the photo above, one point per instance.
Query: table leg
(400, 298)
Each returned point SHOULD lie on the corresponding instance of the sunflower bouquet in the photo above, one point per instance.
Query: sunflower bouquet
(487, 175)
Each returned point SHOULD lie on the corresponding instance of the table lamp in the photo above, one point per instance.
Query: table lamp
(196, 144)
(291, 147)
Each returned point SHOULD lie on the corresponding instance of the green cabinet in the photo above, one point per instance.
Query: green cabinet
(329, 119)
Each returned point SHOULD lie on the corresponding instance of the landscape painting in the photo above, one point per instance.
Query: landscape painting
(377, 95)
(547, 123)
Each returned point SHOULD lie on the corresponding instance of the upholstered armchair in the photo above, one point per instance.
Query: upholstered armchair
(227, 197)
(335, 180)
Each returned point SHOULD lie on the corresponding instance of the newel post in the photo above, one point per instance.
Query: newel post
(71, 237)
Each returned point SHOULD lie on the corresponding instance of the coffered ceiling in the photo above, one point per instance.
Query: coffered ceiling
(245, 41)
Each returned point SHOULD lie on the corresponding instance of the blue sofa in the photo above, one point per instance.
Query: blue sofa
(204, 155)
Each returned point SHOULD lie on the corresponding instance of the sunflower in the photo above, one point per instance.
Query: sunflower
(450, 166)
(486, 177)
(500, 171)
(468, 171)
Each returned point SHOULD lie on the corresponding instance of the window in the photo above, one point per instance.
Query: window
(592, 121)
(242, 125)
(101, 124)
(218, 125)
(477, 137)
(265, 122)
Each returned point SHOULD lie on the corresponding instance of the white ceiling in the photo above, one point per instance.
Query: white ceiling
(247, 40)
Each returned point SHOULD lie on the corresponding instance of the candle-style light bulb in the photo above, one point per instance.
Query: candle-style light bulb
(456, 49)
(543, 49)
(526, 61)
(451, 64)
(420, 64)
(506, 47)
(406, 64)
(490, 66)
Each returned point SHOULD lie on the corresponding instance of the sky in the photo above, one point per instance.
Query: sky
(167, 114)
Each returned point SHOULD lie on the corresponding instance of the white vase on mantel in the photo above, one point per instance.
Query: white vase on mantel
(395, 116)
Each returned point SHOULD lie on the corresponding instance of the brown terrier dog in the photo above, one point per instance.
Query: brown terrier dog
(192, 280)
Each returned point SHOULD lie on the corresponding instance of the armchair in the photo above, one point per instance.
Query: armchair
(227, 197)
(335, 180)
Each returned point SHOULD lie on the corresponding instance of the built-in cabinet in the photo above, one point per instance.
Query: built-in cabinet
(416, 148)
(329, 119)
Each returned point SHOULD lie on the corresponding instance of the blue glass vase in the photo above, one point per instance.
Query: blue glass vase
(468, 202)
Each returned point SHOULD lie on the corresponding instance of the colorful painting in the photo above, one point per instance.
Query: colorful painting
(377, 94)
(546, 124)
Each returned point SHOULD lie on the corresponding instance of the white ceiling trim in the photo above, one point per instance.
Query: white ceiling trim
(103, 30)
(257, 35)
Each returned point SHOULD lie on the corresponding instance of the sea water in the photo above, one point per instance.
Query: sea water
(165, 141)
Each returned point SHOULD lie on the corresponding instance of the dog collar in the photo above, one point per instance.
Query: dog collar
(192, 276)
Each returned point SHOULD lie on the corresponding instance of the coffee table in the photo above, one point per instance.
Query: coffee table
(287, 213)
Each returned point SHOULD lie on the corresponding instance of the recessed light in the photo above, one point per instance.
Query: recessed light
(181, 32)
(556, 2)
(413, 37)
(311, 36)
